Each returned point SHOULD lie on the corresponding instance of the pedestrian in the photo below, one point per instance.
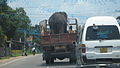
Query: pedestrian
(24, 53)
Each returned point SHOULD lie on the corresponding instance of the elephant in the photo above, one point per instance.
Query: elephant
(58, 23)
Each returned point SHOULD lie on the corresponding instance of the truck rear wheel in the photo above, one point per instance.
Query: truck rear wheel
(47, 62)
(51, 61)
(71, 60)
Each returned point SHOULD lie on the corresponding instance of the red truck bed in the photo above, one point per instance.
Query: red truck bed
(58, 38)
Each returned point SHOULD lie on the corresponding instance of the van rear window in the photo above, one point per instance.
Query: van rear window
(104, 32)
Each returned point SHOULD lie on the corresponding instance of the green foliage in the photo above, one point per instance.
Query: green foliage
(1, 36)
(2, 2)
(1, 32)
(11, 20)
(37, 38)
(22, 18)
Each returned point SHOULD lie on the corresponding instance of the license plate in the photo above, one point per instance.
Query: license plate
(103, 50)
(59, 47)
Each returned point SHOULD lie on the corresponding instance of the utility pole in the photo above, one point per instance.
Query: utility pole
(10, 46)
(24, 46)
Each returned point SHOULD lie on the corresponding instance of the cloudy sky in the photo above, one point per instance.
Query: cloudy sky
(39, 10)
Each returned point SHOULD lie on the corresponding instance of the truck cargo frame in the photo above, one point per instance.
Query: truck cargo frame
(59, 45)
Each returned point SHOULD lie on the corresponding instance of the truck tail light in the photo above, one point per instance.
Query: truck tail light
(83, 48)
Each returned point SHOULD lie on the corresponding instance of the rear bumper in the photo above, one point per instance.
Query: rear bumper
(111, 55)
(59, 55)
(100, 60)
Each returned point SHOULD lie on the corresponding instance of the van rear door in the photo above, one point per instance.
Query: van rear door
(102, 42)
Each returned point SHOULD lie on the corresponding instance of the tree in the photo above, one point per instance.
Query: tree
(23, 22)
(1, 36)
(7, 23)
(36, 34)
(11, 20)
(2, 2)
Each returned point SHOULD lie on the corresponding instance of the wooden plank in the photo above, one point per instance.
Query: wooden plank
(59, 38)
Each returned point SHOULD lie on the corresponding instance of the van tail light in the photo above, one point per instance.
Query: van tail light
(83, 48)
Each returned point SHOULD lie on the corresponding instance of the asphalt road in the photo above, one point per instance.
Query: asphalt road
(37, 62)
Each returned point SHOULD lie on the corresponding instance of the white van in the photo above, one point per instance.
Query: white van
(100, 39)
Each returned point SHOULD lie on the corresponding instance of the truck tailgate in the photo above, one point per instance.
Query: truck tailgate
(58, 38)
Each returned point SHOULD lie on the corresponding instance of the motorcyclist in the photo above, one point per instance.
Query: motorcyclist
(33, 50)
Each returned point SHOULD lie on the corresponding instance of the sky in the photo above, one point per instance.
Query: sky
(38, 10)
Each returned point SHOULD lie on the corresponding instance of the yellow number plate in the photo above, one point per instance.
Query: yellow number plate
(59, 47)
(103, 50)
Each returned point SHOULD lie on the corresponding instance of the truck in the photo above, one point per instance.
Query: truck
(59, 46)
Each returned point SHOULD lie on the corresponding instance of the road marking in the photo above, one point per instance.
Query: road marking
(9, 62)
(47, 67)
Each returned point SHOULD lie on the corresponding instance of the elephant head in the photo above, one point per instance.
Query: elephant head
(58, 23)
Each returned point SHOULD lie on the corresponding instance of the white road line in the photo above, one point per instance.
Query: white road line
(47, 67)
(13, 61)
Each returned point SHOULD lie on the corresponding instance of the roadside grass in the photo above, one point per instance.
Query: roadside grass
(29, 52)
(16, 54)
(13, 55)
(2, 58)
